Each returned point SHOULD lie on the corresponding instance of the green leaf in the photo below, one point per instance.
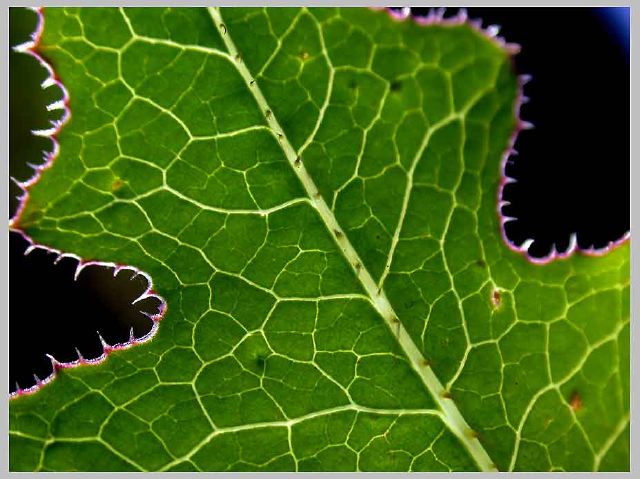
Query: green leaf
(313, 192)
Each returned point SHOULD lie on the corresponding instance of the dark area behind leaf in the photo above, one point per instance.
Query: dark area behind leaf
(53, 313)
(573, 167)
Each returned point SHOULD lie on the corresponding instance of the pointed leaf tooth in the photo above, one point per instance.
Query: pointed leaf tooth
(105, 346)
(524, 78)
(512, 48)
(79, 267)
(140, 298)
(45, 133)
(55, 364)
(526, 244)
(56, 105)
(33, 166)
(47, 82)
(493, 30)
(23, 47)
(573, 242)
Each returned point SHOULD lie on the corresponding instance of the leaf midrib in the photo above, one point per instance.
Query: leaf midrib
(451, 416)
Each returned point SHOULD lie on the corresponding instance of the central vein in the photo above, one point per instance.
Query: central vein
(451, 415)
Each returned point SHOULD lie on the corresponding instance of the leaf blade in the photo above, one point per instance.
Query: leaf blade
(459, 180)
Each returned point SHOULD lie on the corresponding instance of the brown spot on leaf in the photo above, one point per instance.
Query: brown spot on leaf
(117, 184)
(496, 298)
(575, 401)
(304, 56)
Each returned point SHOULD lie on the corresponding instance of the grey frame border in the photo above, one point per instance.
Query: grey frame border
(635, 221)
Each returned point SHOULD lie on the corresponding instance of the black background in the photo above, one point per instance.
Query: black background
(572, 172)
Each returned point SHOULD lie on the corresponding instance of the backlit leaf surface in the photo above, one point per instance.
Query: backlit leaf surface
(313, 192)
